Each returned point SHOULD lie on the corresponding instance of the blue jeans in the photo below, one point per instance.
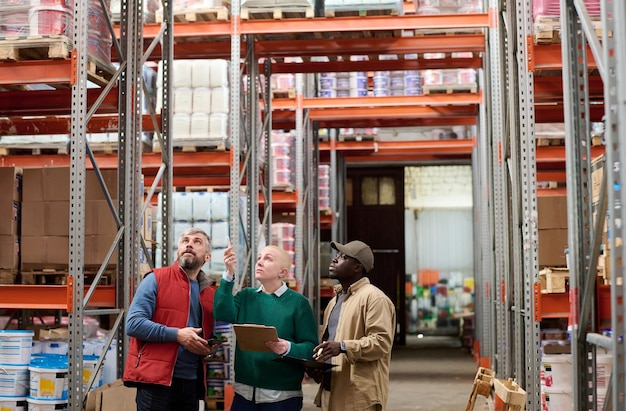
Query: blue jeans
(241, 404)
(181, 396)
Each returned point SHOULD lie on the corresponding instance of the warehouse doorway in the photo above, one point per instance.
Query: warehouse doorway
(375, 215)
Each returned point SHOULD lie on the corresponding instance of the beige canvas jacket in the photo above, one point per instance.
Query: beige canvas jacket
(367, 324)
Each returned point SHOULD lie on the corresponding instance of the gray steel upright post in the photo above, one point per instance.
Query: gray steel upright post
(500, 190)
(528, 376)
(614, 57)
(77, 207)
(234, 123)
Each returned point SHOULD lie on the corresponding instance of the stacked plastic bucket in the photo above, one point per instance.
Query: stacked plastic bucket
(15, 347)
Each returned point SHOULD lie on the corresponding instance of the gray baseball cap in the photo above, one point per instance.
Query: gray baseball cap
(357, 249)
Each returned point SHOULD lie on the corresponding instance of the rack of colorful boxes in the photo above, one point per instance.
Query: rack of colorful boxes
(219, 368)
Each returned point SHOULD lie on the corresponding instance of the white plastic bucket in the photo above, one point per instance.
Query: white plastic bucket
(89, 369)
(13, 403)
(42, 404)
(558, 371)
(14, 381)
(558, 399)
(48, 378)
(15, 346)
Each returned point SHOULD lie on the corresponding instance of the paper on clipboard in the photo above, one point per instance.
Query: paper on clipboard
(252, 337)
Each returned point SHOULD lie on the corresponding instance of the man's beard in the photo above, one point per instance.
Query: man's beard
(189, 262)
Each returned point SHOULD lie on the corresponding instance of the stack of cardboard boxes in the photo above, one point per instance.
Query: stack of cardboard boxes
(46, 218)
(10, 202)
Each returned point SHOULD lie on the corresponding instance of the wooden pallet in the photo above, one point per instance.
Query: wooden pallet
(482, 386)
(360, 11)
(548, 29)
(542, 141)
(193, 15)
(34, 149)
(449, 89)
(35, 48)
(193, 145)
(553, 280)
(8, 276)
(284, 93)
(58, 276)
(277, 13)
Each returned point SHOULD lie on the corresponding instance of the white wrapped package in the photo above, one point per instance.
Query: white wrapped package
(220, 100)
(201, 100)
(218, 73)
(181, 126)
(201, 73)
(199, 125)
(183, 100)
(219, 206)
(218, 126)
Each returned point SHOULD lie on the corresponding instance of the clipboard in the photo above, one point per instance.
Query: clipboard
(252, 337)
(305, 363)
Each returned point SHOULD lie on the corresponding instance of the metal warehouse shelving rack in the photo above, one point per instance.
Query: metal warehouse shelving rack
(592, 77)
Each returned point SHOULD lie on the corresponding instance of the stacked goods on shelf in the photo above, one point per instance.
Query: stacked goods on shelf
(448, 6)
(283, 160)
(556, 378)
(201, 102)
(323, 173)
(45, 219)
(208, 211)
(35, 371)
(547, 22)
(149, 9)
(218, 368)
(26, 23)
(336, 8)
(284, 236)
(552, 230)
(10, 205)
(283, 85)
(196, 10)
(277, 9)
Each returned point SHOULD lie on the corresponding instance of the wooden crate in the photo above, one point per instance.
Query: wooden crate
(553, 280)
(511, 394)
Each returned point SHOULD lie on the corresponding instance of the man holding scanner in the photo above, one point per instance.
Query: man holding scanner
(169, 322)
(359, 326)
(261, 383)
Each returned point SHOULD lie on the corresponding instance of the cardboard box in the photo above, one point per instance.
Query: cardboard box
(111, 397)
(551, 212)
(53, 251)
(597, 170)
(11, 183)
(9, 252)
(551, 247)
(9, 216)
(45, 250)
(51, 218)
(53, 184)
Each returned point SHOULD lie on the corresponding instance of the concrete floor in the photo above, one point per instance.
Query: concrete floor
(428, 374)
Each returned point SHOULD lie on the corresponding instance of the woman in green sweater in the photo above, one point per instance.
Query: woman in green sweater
(260, 382)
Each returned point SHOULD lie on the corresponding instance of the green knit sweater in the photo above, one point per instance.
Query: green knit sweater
(293, 318)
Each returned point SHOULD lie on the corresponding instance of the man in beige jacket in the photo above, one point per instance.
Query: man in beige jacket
(359, 324)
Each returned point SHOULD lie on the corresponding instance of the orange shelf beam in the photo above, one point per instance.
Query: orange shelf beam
(550, 305)
(51, 296)
(548, 57)
(425, 100)
(321, 25)
(62, 125)
(376, 65)
(35, 72)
